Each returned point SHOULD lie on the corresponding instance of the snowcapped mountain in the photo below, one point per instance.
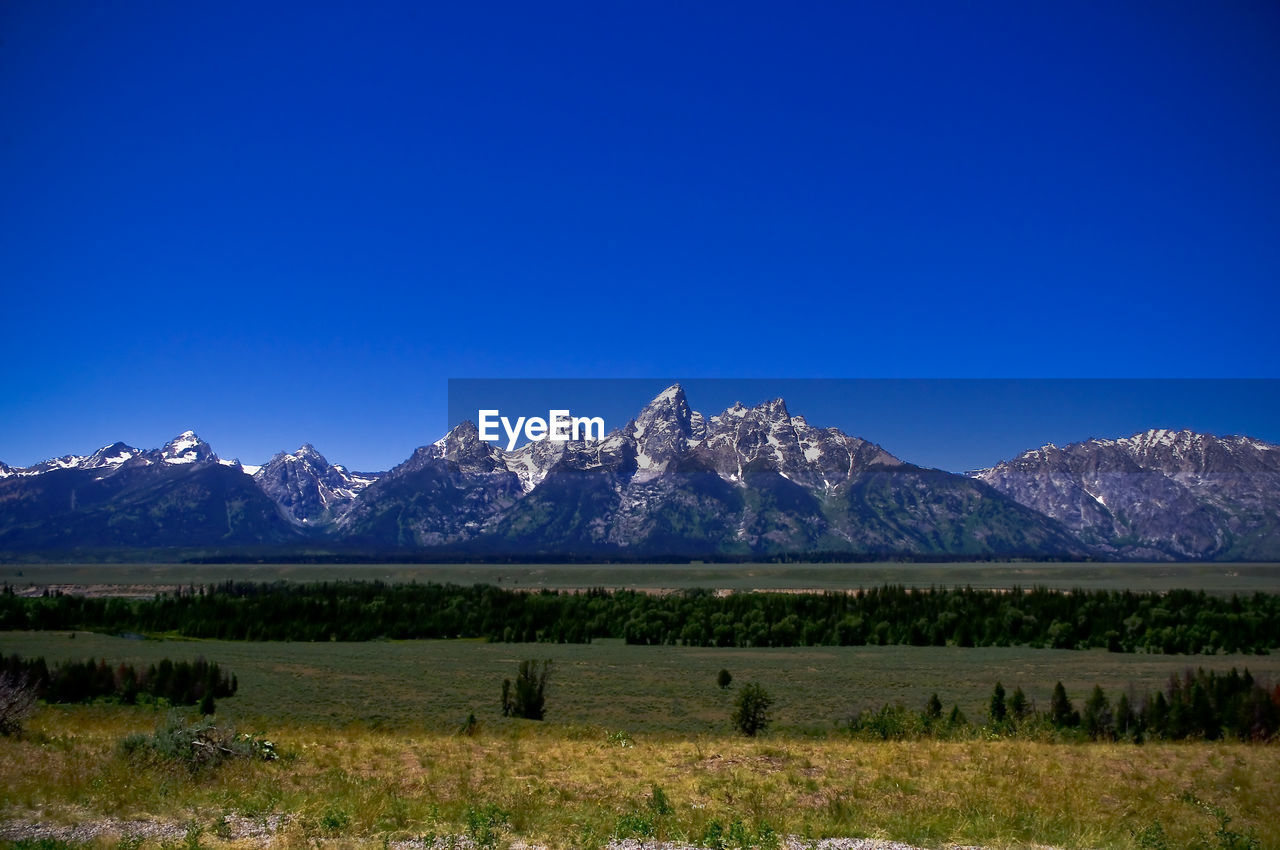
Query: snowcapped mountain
(182, 449)
(187, 448)
(672, 481)
(308, 489)
(664, 430)
(122, 498)
(107, 457)
(1158, 494)
(669, 483)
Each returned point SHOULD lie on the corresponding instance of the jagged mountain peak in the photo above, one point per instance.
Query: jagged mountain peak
(110, 456)
(306, 453)
(463, 441)
(663, 430)
(463, 446)
(775, 408)
(308, 489)
(670, 404)
(673, 394)
(464, 431)
(187, 447)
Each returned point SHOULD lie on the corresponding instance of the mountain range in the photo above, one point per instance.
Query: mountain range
(671, 483)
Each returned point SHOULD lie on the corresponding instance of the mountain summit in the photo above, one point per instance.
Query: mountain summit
(747, 482)
(307, 488)
(187, 448)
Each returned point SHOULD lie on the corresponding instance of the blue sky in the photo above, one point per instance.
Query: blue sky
(296, 223)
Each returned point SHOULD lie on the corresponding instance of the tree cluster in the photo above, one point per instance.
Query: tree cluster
(1194, 705)
(196, 682)
(1179, 621)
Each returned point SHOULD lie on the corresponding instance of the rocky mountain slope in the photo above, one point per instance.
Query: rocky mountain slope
(1159, 494)
(308, 489)
(180, 495)
(672, 482)
(749, 481)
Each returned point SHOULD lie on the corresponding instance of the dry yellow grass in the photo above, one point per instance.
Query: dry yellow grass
(576, 787)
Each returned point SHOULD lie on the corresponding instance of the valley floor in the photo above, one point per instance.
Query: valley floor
(145, 579)
(584, 786)
(637, 745)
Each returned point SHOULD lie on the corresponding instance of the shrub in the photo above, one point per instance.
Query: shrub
(751, 710)
(658, 802)
(196, 745)
(486, 824)
(334, 820)
(17, 699)
(889, 723)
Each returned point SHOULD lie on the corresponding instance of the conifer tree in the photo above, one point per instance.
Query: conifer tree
(1018, 707)
(1061, 713)
(998, 711)
(1097, 719)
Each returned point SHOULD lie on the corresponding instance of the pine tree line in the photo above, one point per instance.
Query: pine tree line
(178, 682)
(1177, 621)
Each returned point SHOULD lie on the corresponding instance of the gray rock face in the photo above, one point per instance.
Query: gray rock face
(308, 489)
(444, 493)
(180, 495)
(671, 482)
(750, 480)
(186, 448)
(1159, 494)
(183, 449)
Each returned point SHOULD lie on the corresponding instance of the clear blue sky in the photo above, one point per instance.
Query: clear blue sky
(296, 224)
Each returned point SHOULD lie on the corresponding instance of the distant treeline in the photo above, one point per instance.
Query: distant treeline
(178, 682)
(1178, 621)
(1199, 705)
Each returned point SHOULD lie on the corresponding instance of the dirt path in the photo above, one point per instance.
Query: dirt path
(264, 832)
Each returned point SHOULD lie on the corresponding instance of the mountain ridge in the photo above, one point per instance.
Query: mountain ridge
(672, 482)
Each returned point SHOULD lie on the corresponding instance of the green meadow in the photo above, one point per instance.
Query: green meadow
(608, 684)
(637, 741)
(1224, 579)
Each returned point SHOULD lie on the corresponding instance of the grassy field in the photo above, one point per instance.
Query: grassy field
(637, 741)
(563, 787)
(433, 685)
(1212, 578)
